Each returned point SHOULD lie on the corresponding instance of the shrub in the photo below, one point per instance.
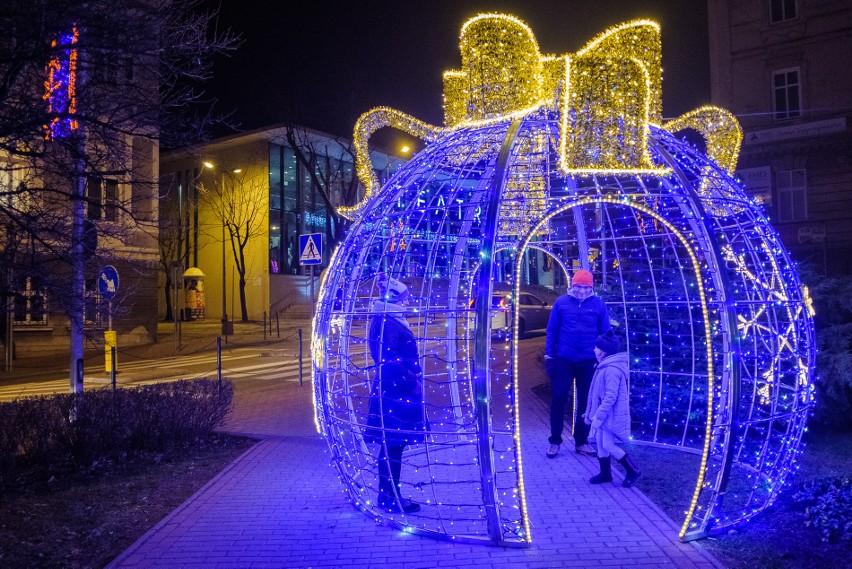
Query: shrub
(94, 425)
(832, 298)
(828, 507)
(833, 408)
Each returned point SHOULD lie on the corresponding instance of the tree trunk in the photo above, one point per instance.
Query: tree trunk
(169, 317)
(240, 262)
(243, 298)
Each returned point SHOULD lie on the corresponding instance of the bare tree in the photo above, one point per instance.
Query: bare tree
(239, 203)
(170, 241)
(330, 165)
(88, 92)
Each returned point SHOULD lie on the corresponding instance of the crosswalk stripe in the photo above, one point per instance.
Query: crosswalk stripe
(258, 373)
(189, 360)
(258, 366)
(276, 370)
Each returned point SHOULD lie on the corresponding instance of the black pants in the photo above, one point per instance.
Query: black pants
(390, 466)
(562, 378)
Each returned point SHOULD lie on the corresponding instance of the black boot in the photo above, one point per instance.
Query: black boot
(632, 471)
(389, 466)
(605, 474)
(389, 504)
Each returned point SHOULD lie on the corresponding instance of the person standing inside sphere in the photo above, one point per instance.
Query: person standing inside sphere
(396, 417)
(577, 319)
(608, 410)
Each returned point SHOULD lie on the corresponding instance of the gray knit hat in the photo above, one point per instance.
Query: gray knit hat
(392, 289)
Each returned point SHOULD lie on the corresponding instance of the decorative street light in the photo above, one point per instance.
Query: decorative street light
(227, 327)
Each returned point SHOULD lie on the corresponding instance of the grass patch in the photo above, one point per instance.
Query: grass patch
(777, 538)
(75, 518)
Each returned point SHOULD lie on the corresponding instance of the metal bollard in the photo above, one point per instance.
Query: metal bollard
(277, 326)
(113, 371)
(80, 375)
(264, 325)
(300, 356)
(219, 362)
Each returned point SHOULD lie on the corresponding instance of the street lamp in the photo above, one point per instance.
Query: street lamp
(227, 327)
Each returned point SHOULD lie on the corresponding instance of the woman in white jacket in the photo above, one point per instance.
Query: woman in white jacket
(608, 409)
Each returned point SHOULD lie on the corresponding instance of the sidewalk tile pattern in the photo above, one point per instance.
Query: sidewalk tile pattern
(281, 505)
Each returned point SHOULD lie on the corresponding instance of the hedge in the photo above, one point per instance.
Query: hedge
(85, 427)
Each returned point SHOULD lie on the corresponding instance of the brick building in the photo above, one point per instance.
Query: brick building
(780, 67)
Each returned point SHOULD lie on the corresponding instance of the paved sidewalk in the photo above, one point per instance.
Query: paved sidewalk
(281, 505)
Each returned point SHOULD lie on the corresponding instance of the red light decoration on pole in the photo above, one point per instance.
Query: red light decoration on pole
(60, 88)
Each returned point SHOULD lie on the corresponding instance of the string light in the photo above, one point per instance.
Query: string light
(563, 155)
(367, 124)
(720, 130)
(60, 89)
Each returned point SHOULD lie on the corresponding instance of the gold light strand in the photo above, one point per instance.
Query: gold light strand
(612, 93)
(525, 194)
(719, 128)
(638, 40)
(367, 124)
(552, 77)
(604, 117)
(502, 64)
(455, 97)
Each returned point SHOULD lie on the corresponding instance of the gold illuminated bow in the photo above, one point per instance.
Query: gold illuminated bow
(606, 94)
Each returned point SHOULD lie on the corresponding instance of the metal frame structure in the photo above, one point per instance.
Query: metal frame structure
(717, 324)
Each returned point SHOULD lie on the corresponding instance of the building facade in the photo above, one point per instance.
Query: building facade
(779, 66)
(78, 197)
(120, 219)
(285, 180)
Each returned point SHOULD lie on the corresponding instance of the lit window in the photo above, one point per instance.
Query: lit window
(786, 91)
(92, 313)
(102, 198)
(792, 195)
(782, 10)
(30, 303)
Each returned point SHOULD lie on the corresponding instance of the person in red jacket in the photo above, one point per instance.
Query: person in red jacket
(577, 319)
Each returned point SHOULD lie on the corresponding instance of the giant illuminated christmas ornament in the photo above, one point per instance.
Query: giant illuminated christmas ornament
(547, 163)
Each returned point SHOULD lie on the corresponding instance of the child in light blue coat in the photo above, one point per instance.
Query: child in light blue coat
(608, 409)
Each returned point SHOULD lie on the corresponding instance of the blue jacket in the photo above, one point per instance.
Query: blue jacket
(574, 326)
(396, 412)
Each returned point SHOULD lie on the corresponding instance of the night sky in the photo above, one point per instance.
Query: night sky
(322, 63)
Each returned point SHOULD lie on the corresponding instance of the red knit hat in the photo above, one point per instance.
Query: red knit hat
(582, 277)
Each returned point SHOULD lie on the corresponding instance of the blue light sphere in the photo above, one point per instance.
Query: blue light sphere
(716, 322)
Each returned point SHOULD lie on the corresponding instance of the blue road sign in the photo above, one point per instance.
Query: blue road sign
(310, 249)
(108, 282)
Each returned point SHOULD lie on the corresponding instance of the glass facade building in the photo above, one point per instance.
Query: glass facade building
(296, 204)
(284, 192)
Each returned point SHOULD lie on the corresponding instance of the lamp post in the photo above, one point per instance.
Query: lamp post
(227, 327)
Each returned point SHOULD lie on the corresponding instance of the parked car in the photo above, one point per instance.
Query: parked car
(533, 313)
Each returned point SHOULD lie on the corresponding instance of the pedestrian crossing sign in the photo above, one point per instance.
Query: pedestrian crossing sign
(310, 249)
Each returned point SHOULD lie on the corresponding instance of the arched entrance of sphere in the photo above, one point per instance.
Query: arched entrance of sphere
(652, 279)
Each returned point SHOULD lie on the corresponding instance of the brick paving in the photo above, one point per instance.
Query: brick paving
(281, 505)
